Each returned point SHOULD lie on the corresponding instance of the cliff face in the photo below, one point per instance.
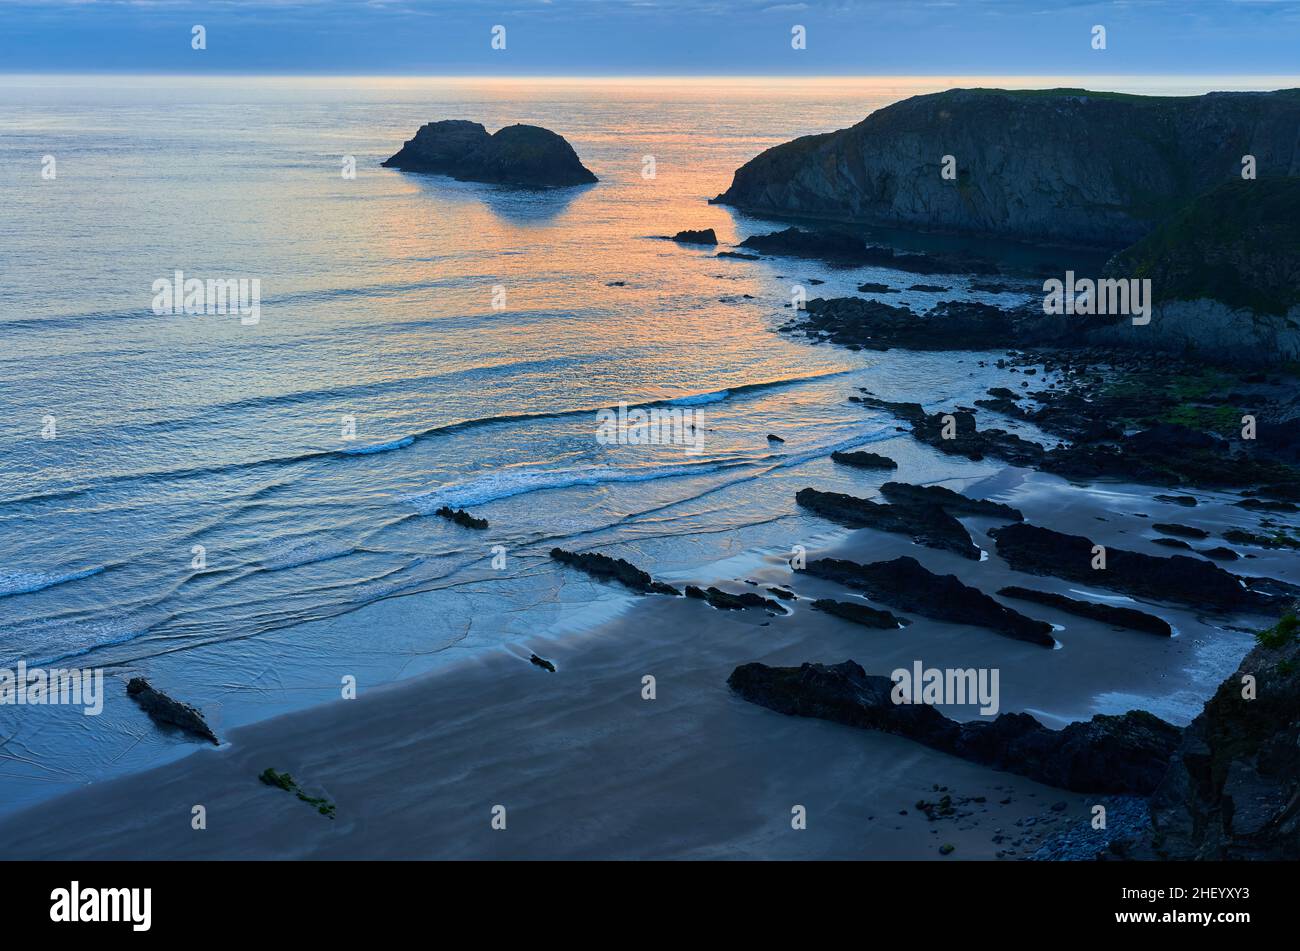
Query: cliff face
(1065, 166)
(1233, 788)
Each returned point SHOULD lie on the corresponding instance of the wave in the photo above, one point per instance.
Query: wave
(514, 482)
(401, 442)
(380, 447)
(25, 582)
(293, 556)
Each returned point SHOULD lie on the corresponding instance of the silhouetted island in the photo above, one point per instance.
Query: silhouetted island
(525, 155)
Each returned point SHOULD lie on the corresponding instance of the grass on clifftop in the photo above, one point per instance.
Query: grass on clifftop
(1238, 244)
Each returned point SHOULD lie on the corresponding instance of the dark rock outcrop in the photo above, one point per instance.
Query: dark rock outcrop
(952, 502)
(923, 522)
(863, 460)
(906, 584)
(605, 568)
(1107, 614)
(1233, 787)
(702, 236)
(1060, 165)
(525, 155)
(726, 601)
(1107, 754)
(168, 712)
(861, 614)
(1178, 578)
(461, 517)
(541, 662)
(836, 247)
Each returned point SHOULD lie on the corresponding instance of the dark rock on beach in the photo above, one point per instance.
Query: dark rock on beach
(1178, 578)
(1115, 617)
(907, 585)
(1107, 754)
(605, 568)
(861, 614)
(524, 155)
(952, 502)
(726, 601)
(164, 710)
(863, 460)
(462, 518)
(923, 522)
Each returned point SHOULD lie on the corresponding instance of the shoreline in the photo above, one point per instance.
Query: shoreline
(590, 769)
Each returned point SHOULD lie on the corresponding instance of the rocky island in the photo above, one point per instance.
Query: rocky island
(524, 155)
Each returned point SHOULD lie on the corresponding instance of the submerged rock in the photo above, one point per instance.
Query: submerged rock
(906, 584)
(164, 710)
(921, 521)
(605, 568)
(1107, 754)
(525, 155)
(1107, 614)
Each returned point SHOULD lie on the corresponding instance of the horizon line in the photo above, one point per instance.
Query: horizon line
(593, 77)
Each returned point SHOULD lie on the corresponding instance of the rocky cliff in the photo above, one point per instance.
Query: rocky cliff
(1061, 165)
(516, 155)
(1225, 276)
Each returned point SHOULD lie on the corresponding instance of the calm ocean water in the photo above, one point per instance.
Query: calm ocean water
(172, 432)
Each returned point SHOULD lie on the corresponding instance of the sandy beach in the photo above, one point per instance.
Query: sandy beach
(586, 768)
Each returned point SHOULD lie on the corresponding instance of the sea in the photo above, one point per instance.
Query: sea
(202, 498)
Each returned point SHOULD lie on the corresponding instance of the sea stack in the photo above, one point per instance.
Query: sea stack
(524, 155)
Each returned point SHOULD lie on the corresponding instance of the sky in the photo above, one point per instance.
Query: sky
(652, 37)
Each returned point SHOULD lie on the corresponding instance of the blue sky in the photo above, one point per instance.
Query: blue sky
(652, 37)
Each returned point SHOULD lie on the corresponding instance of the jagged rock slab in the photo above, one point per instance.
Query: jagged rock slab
(525, 155)
(924, 523)
(726, 601)
(1107, 754)
(462, 518)
(1177, 578)
(906, 584)
(1107, 614)
(605, 568)
(861, 614)
(952, 502)
(164, 710)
